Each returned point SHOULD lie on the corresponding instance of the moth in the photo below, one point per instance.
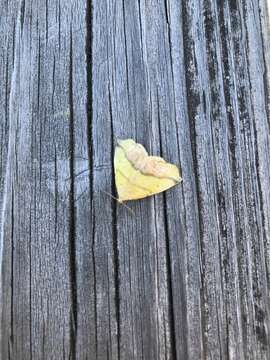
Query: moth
(138, 175)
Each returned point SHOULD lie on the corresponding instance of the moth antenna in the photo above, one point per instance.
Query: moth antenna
(119, 202)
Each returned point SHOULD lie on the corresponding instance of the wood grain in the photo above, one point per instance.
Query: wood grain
(187, 276)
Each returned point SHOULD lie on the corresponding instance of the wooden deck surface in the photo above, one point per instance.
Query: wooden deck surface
(187, 277)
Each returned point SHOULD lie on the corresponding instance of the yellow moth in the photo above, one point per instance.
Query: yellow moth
(138, 175)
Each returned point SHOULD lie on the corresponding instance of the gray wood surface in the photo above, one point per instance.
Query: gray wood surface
(187, 276)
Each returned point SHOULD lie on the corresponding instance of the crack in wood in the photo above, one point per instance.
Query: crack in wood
(72, 212)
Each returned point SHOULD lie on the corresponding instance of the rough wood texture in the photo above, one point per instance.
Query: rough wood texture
(186, 277)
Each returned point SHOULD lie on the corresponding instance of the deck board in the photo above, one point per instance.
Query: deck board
(185, 274)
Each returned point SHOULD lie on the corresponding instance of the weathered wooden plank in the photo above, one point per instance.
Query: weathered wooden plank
(200, 40)
(145, 324)
(187, 276)
(222, 86)
(101, 175)
(37, 318)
